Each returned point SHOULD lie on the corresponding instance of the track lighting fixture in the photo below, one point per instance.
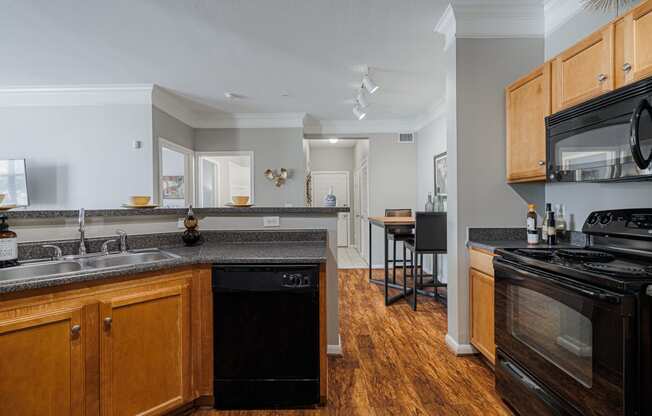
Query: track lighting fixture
(359, 112)
(362, 101)
(368, 84)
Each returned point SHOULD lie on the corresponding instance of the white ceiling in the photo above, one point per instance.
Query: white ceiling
(311, 49)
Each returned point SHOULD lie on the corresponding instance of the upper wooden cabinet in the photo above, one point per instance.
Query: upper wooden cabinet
(527, 105)
(633, 45)
(42, 365)
(584, 71)
(145, 350)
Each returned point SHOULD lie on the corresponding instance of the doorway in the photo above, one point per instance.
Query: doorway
(337, 181)
(176, 174)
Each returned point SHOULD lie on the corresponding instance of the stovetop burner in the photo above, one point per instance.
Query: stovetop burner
(536, 253)
(623, 270)
(585, 255)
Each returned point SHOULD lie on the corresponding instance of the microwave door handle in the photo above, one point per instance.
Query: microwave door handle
(601, 296)
(634, 138)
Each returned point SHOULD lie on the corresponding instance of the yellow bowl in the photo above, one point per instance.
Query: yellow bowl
(2, 198)
(240, 200)
(139, 200)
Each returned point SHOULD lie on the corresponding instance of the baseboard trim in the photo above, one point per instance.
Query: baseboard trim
(459, 349)
(335, 349)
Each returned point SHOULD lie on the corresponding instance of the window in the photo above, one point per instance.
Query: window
(224, 175)
(175, 175)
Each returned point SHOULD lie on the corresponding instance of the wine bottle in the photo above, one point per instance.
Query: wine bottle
(532, 232)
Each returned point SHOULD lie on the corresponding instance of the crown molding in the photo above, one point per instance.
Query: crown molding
(75, 95)
(499, 19)
(558, 12)
(249, 120)
(173, 105)
(363, 127)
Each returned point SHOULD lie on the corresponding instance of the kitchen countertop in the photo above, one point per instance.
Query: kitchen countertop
(291, 252)
(491, 246)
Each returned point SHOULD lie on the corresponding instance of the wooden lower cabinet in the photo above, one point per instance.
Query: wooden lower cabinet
(42, 361)
(145, 350)
(138, 346)
(482, 313)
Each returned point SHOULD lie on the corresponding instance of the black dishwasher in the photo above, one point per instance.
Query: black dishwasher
(266, 336)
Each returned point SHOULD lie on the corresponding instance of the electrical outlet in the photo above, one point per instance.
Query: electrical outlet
(271, 222)
(180, 224)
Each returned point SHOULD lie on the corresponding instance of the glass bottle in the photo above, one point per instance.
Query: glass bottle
(430, 206)
(8, 245)
(560, 222)
(544, 226)
(532, 232)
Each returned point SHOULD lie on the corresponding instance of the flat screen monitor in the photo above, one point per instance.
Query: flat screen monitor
(13, 182)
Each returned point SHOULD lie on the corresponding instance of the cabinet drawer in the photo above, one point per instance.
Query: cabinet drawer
(481, 261)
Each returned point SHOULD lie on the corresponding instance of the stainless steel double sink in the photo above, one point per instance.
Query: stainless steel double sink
(91, 263)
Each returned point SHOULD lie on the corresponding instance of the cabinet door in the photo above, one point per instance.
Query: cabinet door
(482, 314)
(527, 105)
(635, 41)
(145, 350)
(584, 71)
(42, 365)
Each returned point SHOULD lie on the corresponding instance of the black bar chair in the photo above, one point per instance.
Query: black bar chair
(399, 233)
(429, 238)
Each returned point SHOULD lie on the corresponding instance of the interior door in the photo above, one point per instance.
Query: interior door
(322, 182)
(145, 351)
(356, 210)
(42, 369)
(364, 211)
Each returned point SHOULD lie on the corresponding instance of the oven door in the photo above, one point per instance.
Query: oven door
(573, 339)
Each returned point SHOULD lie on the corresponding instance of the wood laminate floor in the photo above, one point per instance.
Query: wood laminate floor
(396, 362)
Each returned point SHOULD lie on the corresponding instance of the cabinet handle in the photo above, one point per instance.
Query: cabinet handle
(107, 322)
(627, 67)
(602, 78)
(75, 330)
(541, 163)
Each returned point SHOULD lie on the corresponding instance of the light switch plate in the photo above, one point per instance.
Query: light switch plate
(271, 221)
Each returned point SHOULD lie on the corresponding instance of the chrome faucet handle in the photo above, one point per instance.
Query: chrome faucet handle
(105, 246)
(57, 251)
(123, 240)
(82, 219)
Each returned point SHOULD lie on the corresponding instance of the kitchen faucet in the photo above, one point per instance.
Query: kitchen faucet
(82, 232)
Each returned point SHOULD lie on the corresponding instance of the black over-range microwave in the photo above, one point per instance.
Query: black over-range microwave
(608, 138)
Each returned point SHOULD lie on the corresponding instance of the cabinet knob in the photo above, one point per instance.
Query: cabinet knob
(627, 67)
(107, 322)
(602, 77)
(541, 162)
(75, 330)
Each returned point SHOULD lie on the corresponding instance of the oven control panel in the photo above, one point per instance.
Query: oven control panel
(625, 222)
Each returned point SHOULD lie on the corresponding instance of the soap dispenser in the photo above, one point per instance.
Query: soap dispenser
(8, 245)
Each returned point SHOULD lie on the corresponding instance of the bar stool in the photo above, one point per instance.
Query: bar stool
(399, 233)
(429, 238)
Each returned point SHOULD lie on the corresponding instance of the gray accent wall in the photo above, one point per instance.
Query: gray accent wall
(579, 199)
(477, 72)
(273, 148)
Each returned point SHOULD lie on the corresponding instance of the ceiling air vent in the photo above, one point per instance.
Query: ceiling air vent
(406, 138)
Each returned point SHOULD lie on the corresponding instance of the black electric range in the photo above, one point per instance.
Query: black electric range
(573, 325)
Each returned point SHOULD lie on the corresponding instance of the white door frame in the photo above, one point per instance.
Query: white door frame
(189, 169)
(361, 223)
(199, 175)
(348, 194)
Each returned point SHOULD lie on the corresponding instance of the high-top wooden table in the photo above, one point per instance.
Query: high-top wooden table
(387, 223)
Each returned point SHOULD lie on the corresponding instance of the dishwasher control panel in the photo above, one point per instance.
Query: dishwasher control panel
(296, 280)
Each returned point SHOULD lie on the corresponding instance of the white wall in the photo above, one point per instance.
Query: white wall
(273, 148)
(478, 193)
(430, 141)
(81, 156)
(580, 199)
(392, 183)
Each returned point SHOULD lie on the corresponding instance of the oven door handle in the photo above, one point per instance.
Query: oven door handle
(598, 295)
(515, 372)
(634, 137)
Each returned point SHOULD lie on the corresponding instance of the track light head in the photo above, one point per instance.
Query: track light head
(369, 85)
(359, 112)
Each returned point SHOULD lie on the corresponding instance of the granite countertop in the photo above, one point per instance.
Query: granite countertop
(490, 239)
(177, 212)
(283, 252)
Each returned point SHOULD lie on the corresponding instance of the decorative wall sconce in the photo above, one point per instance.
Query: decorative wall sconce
(278, 178)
